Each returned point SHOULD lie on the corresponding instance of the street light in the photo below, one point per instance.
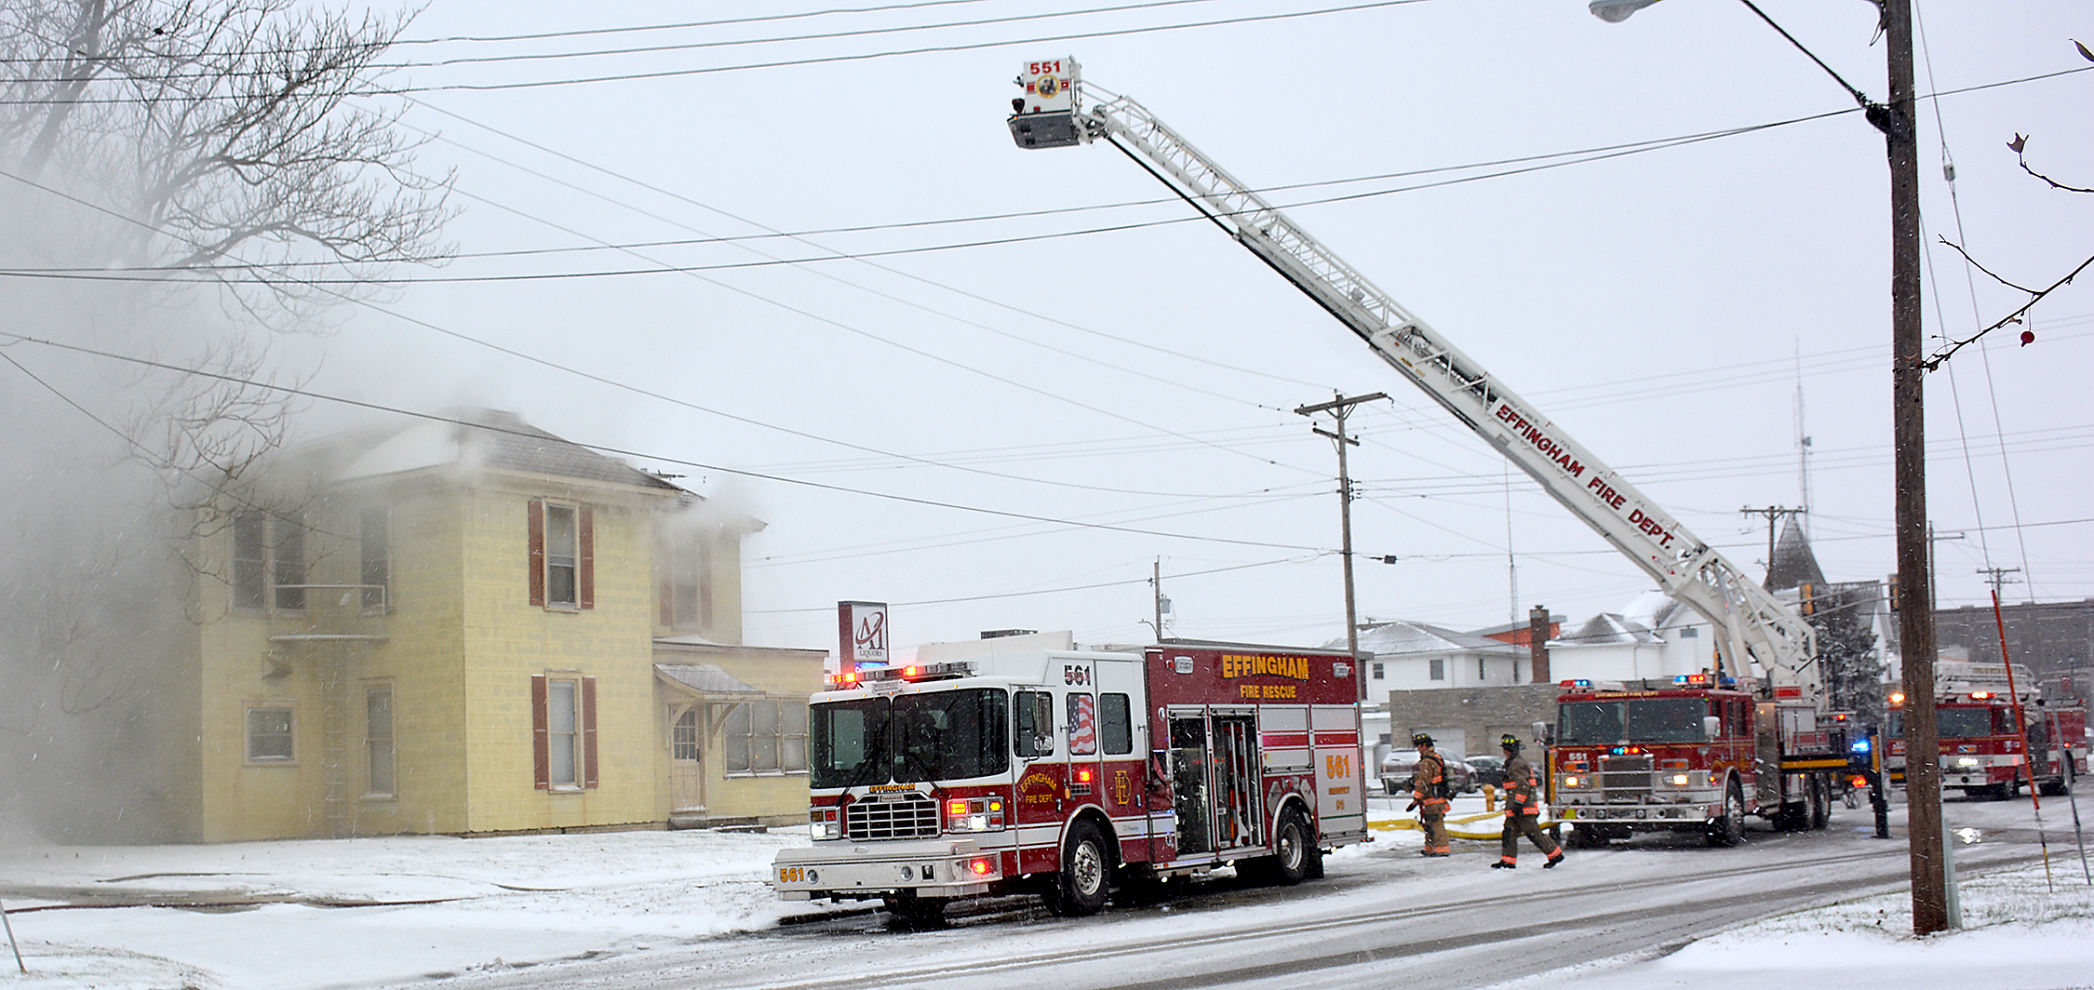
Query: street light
(1908, 430)
(1616, 11)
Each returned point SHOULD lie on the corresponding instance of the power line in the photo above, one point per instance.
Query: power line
(814, 60)
(629, 453)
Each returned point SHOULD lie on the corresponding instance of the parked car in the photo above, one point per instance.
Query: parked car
(1400, 764)
(1486, 770)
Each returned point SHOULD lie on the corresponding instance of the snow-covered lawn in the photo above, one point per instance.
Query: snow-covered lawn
(362, 912)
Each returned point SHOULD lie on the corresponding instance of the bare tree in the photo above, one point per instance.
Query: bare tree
(2035, 294)
(182, 175)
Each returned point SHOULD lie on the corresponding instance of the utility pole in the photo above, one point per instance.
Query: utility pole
(1156, 586)
(1908, 419)
(1998, 578)
(1340, 407)
(1934, 538)
(1773, 513)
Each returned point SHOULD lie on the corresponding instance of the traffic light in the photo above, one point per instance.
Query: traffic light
(1805, 593)
(1892, 592)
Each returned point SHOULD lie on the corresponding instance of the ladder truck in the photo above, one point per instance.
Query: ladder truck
(1993, 740)
(1764, 644)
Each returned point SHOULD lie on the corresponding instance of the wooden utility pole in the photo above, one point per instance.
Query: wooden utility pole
(1339, 408)
(1930, 911)
(1773, 513)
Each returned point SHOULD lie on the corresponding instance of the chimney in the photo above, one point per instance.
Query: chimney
(1538, 643)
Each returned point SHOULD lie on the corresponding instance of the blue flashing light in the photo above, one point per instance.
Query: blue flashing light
(1859, 745)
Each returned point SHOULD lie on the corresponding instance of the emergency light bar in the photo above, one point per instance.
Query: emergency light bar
(911, 673)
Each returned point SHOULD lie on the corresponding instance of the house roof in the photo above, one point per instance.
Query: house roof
(483, 438)
(1401, 637)
(1607, 629)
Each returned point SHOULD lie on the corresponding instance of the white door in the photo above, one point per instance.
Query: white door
(686, 769)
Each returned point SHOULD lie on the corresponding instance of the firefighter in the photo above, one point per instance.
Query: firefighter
(1429, 795)
(1522, 811)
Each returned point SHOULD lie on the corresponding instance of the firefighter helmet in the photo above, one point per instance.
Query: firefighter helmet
(1420, 739)
(1510, 742)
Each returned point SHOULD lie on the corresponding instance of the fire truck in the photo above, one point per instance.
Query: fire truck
(1765, 702)
(1697, 753)
(1976, 714)
(1068, 773)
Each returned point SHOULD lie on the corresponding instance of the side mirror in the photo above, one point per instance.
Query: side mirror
(1035, 724)
(1543, 733)
(1711, 727)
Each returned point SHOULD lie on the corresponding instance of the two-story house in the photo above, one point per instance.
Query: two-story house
(469, 625)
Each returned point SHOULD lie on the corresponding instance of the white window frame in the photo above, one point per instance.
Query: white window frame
(386, 745)
(572, 558)
(577, 758)
(275, 562)
(290, 733)
(1436, 669)
(784, 739)
(1482, 673)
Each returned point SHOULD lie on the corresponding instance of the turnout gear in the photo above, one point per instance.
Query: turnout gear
(1522, 812)
(1429, 796)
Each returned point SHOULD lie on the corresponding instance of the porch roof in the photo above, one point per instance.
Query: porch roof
(704, 680)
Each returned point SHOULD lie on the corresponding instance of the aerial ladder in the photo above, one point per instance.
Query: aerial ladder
(1751, 622)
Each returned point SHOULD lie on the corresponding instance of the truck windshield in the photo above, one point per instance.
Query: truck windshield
(1964, 723)
(1636, 720)
(934, 736)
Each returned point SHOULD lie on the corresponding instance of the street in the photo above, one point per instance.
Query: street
(1382, 916)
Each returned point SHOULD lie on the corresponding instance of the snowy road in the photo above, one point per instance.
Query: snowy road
(1383, 915)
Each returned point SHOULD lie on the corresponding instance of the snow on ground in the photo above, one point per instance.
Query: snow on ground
(2019, 931)
(269, 914)
(362, 912)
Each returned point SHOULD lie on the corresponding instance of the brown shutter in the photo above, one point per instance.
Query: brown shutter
(541, 751)
(537, 528)
(589, 731)
(585, 568)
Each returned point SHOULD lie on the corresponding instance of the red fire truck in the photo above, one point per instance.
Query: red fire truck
(1066, 772)
(1697, 753)
(1974, 721)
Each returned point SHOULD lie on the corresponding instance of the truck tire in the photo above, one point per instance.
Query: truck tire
(1080, 886)
(1820, 802)
(1292, 846)
(1729, 830)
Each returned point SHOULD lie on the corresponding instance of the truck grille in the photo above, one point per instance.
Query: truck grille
(1625, 779)
(892, 816)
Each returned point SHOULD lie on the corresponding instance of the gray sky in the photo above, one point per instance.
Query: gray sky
(1658, 305)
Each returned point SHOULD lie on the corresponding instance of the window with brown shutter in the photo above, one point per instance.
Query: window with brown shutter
(588, 732)
(536, 526)
(563, 731)
(585, 525)
(541, 755)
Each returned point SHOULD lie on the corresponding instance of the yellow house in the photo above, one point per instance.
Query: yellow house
(469, 625)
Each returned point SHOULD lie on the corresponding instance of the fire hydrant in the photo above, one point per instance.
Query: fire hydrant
(1490, 798)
